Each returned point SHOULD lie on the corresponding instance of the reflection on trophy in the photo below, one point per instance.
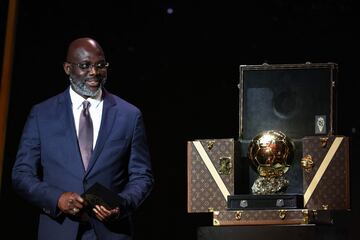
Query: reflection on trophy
(271, 153)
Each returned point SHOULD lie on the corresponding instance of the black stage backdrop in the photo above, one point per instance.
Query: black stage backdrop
(178, 61)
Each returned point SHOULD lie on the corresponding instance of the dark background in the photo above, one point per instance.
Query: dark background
(182, 70)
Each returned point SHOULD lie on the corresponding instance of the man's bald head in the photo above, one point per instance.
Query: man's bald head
(80, 47)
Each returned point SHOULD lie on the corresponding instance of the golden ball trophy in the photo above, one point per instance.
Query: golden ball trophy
(270, 153)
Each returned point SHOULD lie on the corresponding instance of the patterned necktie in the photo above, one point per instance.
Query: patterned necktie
(85, 134)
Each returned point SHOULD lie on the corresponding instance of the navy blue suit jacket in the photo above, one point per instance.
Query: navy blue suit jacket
(49, 163)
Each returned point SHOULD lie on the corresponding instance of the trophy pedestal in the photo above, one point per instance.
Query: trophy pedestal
(274, 201)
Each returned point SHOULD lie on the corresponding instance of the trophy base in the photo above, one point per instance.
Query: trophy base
(273, 201)
(269, 185)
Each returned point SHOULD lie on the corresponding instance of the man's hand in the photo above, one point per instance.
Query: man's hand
(104, 214)
(70, 203)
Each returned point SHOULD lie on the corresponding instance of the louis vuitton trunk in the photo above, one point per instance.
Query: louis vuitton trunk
(326, 175)
(210, 170)
(296, 99)
(261, 217)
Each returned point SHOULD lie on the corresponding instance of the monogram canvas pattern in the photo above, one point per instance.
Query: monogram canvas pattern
(332, 190)
(260, 217)
(204, 193)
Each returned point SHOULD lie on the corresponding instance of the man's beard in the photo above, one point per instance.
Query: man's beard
(81, 88)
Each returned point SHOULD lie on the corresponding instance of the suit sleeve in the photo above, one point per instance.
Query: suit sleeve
(27, 170)
(140, 174)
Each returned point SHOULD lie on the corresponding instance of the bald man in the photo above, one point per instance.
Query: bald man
(51, 170)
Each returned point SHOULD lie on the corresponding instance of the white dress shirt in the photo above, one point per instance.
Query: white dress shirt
(96, 106)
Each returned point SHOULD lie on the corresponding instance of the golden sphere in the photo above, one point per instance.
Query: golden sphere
(271, 153)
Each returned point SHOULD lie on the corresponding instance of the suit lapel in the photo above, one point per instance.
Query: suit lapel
(65, 106)
(107, 122)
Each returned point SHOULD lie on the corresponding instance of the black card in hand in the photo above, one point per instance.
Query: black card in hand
(98, 194)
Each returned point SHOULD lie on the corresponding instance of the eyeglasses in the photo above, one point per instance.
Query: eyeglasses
(88, 65)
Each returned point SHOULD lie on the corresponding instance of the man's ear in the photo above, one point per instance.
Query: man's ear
(66, 68)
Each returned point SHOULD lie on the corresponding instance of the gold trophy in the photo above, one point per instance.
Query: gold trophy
(271, 153)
